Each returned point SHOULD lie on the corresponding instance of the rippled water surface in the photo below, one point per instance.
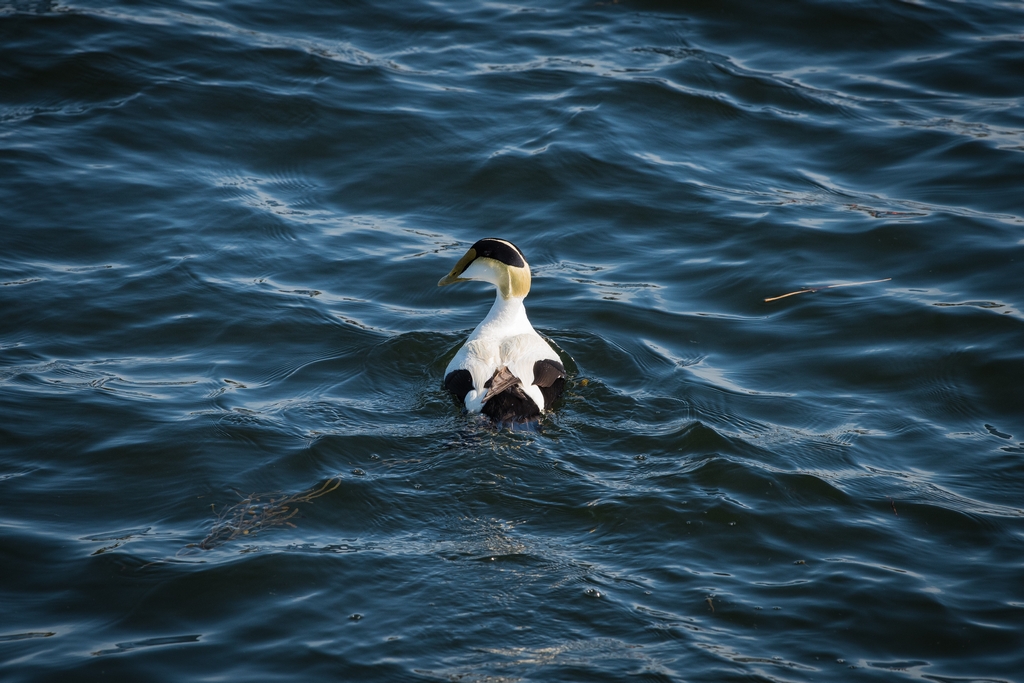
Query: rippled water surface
(225, 450)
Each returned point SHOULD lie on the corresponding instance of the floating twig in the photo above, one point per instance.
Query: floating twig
(892, 504)
(253, 515)
(818, 289)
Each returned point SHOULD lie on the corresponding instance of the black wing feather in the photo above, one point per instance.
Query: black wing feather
(511, 405)
(549, 375)
(459, 383)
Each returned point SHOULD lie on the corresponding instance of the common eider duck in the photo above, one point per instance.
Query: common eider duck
(505, 370)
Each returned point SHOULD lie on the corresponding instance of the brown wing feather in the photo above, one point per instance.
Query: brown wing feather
(502, 380)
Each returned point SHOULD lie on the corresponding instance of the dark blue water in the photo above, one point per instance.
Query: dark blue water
(225, 450)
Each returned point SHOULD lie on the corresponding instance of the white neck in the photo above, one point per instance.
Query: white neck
(505, 314)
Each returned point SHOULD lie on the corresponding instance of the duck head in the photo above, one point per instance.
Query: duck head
(496, 261)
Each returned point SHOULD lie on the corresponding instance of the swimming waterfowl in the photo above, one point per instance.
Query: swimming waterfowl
(505, 370)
